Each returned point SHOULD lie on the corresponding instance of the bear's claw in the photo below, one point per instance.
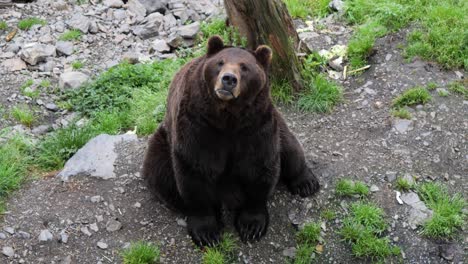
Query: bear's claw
(306, 187)
(205, 231)
(251, 226)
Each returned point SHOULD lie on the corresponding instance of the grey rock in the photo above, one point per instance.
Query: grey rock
(67, 260)
(149, 27)
(402, 125)
(23, 235)
(152, 6)
(52, 107)
(102, 245)
(391, 175)
(137, 8)
(85, 231)
(96, 158)
(181, 14)
(45, 235)
(9, 230)
(13, 65)
(408, 178)
(181, 222)
(131, 57)
(160, 46)
(64, 237)
(80, 22)
(419, 213)
(388, 57)
(374, 188)
(447, 251)
(72, 80)
(169, 21)
(113, 3)
(41, 130)
(175, 41)
(33, 53)
(93, 27)
(120, 15)
(96, 199)
(94, 227)
(137, 205)
(189, 31)
(2, 235)
(13, 47)
(289, 252)
(64, 47)
(8, 251)
(113, 225)
(7, 55)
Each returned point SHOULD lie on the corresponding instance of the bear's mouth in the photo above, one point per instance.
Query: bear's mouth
(224, 94)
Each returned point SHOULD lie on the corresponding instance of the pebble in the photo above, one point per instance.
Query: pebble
(374, 188)
(45, 235)
(2, 235)
(9, 230)
(96, 199)
(94, 227)
(102, 245)
(64, 237)
(289, 252)
(137, 205)
(113, 225)
(52, 107)
(85, 231)
(24, 235)
(8, 251)
(181, 222)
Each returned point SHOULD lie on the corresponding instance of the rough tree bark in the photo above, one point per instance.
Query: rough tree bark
(268, 22)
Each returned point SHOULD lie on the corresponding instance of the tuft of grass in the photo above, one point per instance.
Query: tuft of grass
(431, 86)
(222, 253)
(14, 162)
(443, 93)
(401, 113)
(76, 65)
(458, 88)
(345, 187)
(229, 35)
(328, 214)
(213, 256)
(403, 185)
(448, 215)
(363, 228)
(413, 96)
(309, 234)
(362, 42)
(141, 253)
(27, 23)
(44, 84)
(26, 90)
(304, 254)
(3, 26)
(24, 115)
(71, 35)
(305, 8)
(320, 95)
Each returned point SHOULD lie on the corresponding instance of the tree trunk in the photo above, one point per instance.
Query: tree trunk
(268, 22)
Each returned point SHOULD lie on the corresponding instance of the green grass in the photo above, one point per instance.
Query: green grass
(229, 35)
(362, 42)
(307, 239)
(320, 95)
(443, 93)
(328, 214)
(14, 162)
(44, 84)
(439, 28)
(141, 253)
(71, 35)
(304, 8)
(3, 26)
(458, 87)
(23, 114)
(431, 86)
(448, 217)
(401, 113)
(363, 228)
(76, 65)
(27, 23)
(413, 96)
(223, 253)
(26, 90)
(345, 187)
(304, 254)
(403, 185)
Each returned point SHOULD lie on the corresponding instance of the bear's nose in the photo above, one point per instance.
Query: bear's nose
(229, 81)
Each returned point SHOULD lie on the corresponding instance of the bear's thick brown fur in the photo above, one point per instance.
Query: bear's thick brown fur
(223, 142)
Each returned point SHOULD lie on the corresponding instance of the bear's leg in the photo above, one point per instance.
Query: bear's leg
(203, 208)
(158, 172)
(295, 173)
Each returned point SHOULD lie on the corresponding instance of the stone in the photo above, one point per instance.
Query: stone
(152, 6)
(9, 230)
(13, 65)
(96, 158)
(94, 227)
(113, 3)
(113, 225)
(24, 235)
(289, 252)
(408, 178)
(336, 5)
(189, 31)
(41, 130)
(174, 41)
(33, 53)
(181, 222)
(131, 57)
(96, 199)
(160, 46)
(67, 260)
(2, 235)
(447, 251)
(149, 27)
(137, 8)
(402, 125)
(64, 237)
(137, 205)
(45, 235)
(8, 251)
(72, 80)
(181, 14)
(85, 231)
(374, 188)
(391, 175)
(102, 245)
(52, 107)
(419, 213)
(64, 48)
(80, 22)
(169, 21)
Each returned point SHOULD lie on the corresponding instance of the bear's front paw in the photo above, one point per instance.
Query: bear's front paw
(251, 225)
(305, 187)
(204, 230)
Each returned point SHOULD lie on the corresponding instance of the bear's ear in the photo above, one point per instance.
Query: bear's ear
(215, 44)
(264, 54)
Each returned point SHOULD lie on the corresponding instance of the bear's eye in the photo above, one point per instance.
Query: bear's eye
(244, 68)
(220, 63)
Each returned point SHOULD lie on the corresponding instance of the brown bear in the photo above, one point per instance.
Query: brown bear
(223, 142)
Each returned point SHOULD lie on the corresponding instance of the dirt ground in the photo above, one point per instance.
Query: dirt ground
(358, 141)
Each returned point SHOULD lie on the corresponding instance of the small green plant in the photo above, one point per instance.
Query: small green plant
(361, 44)
(413, 96)
(76, 65)
(3, 25)
(448, 215)
(304, 254)
(27, 90)
(304, 8)
(222, 253)
(443, 93)
(363, 228)
(229, 35)
(320, 95)
(213, 256)
(24, 115)
(401, 113)
(346, 187)
(328, 214)
(431, 86)
(27, 23)
(458, 88)
(141, 253)
(71, 35)
(44, 84)
(403, 184)
(309, 234)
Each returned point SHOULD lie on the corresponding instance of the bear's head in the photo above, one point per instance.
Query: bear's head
(234, 72)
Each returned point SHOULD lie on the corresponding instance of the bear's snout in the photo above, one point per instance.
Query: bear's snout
(229, 81)
(227, 87)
